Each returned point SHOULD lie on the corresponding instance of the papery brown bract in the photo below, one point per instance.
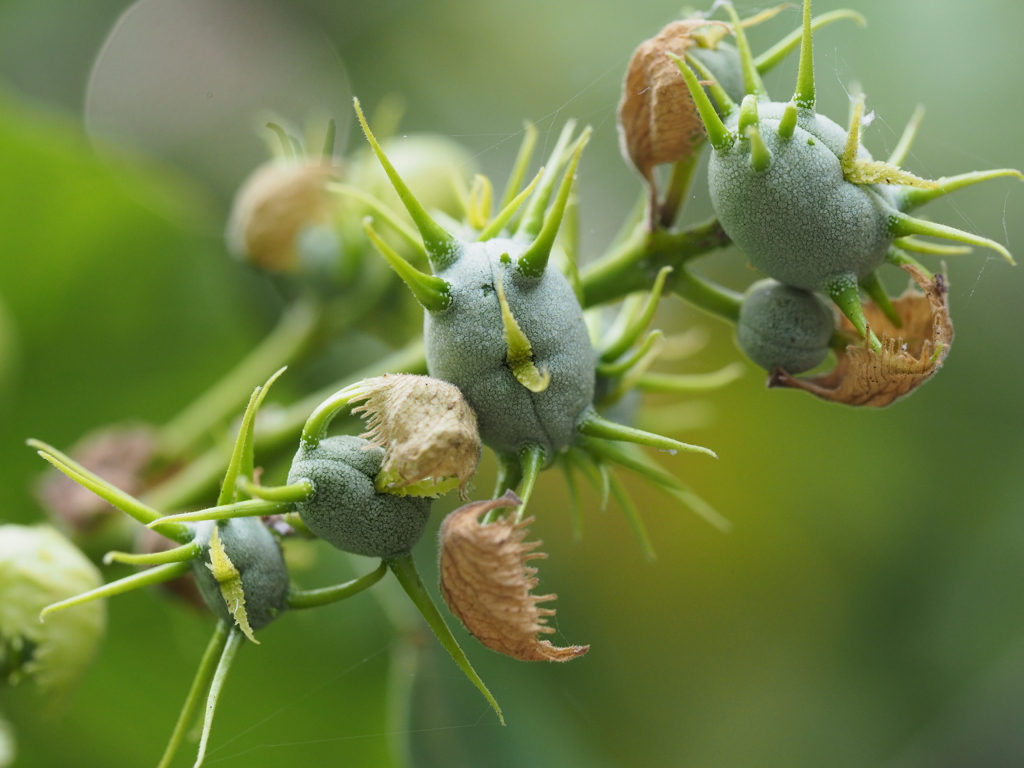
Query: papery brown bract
(486, 582)
(909, 357)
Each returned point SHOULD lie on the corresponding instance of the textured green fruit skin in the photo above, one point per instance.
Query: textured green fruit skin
(465, 345)
(724, 63)
(784, 327)
(256, 555)
(800, 221)
(345, 509)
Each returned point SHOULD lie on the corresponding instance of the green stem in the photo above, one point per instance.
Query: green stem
(157, 575)
(712, 298)
(181, 554)
(285, 343)
(201, 682)
(200, 477)
(633, 265)
(247, 508)
(313, 598)
(405, 571)
(234, 642)
(299, 491)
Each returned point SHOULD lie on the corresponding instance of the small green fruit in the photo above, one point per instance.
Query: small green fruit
(345, 508)
(256, 557)
(784, 327)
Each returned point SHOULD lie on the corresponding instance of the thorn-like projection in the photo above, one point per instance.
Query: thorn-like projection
(873, 287)
(405, 571)
(200, 685)
(442, 247)
(534, 260)
(857, 171)
(157, 575)
(654, 339)
(774, 55)
(902, 226)
(299, 491)
(242, 461)
(378, 207)
(327, 155)
(481, 198)
(899, 154)
(760, 155)
(533, 217)
(505, 215)
(182, 554)
(636, 366)
(247, 508)
(804, 95)
(523, 158)
(287, 147)
(932, 249)
(593, 424)
(115, 496)
(220, 675)
(433, 292)
(634, 459)
(726, 106)
(843, 291)
(748, 115)
(532, 460)
(636, 522)
(719, 136)
(900, 258)
(520, 351)
(575, 500)
(690, 382)
(788, 122)
(751, 77)
(633, 324)
(914, 198)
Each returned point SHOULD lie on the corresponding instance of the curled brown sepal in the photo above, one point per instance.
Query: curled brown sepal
(658, 122)
(427, 429)
(909, 356)
(486, 582)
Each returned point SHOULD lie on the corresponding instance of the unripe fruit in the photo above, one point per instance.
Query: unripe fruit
(256, 556)
(466, 345)
(345, 508)
(784, 327)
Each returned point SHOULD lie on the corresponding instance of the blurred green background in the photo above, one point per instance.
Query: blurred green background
(868, 607)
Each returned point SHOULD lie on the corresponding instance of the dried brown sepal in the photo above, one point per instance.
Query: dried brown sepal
(425, 426)
(658, 122)
(273, 206)
(119, 454)
(486, 582)
(910, 355)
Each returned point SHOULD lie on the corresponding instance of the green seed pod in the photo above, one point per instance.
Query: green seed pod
(241, 571)
(784, 327)
(38, 566)
(800, 195)
(345, 508)
(466, 345)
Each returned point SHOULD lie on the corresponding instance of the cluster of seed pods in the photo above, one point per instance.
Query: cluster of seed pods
(809, 206)
(236, 557)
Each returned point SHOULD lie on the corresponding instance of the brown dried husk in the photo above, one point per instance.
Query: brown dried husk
(486, 583)
(273, 206)
(425, 426)
(910, 355)
(658, 122)
(119, 454)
